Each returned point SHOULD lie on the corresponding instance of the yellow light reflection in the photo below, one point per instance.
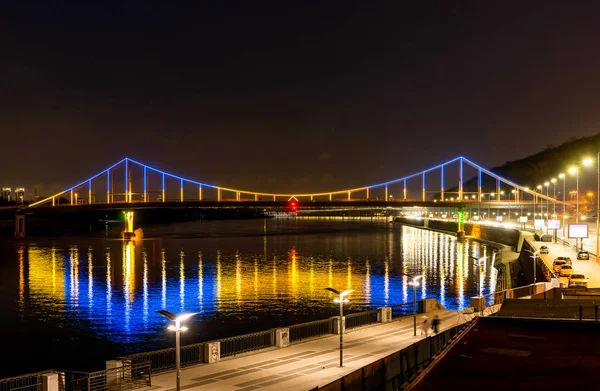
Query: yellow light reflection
(45, 277)
(108, 287)
(145, 282)
(182, 280)
(21, 252)
(90, 280)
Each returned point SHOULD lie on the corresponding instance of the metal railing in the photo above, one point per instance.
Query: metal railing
(396, 370)
(127, 377)
(248, 342)
(27, 382)
(164, 359)
(405, 309)
(310, 329)
(361, 319)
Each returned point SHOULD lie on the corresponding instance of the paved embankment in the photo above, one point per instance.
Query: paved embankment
(303, 365)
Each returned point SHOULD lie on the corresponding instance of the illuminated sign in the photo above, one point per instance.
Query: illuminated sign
(522, 219)
(538, 223)
(553, 224)
(499, 218)
(578, 231)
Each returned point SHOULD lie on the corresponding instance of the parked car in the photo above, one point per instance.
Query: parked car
(577, 279)
(566, 259)
(583, 255)
(544, 250)
(566, 270)
(557, 265)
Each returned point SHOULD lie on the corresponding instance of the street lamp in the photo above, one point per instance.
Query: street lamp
(547, 184)
(341, 327)
(575, 170)
(415, 284)
(535, 256)
(177, 329)
(539, 187)
(553, 180)
(598, 210)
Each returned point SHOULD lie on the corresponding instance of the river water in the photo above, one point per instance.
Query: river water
(74, 302)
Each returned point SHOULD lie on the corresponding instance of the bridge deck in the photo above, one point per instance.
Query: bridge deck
(304, 365)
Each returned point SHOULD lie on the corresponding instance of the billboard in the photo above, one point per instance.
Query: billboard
(498, 218)
(523, 219)
(538, 223)
(553, 224)
(578, 231)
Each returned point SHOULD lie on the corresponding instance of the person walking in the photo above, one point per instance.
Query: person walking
(425, 325)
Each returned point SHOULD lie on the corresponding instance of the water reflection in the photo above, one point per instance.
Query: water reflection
(232, 281)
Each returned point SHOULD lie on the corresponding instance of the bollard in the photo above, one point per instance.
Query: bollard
(212, 352)
(282, 337)
(50, 382)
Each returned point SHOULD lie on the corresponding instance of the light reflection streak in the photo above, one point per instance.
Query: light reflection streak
(90, 281)
(182, 280)
(108, 287)
(21, 252)
(238, 279)
(163, 274)
(74, 275)
(460, 286)
(145, 283)
(200, 281)
(349, 275)
(218, 286)
(367, 280)
(386, 281)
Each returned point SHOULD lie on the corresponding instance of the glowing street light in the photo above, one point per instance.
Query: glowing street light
(177, 329)
(340, 299)
(415, 284)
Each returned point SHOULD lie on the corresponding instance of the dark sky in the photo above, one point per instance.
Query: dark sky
(290, 95)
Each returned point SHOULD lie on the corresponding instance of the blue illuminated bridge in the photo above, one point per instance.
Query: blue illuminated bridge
(134, 185)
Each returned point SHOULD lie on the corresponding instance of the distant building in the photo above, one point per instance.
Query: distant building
(5, 194)
(20, 195)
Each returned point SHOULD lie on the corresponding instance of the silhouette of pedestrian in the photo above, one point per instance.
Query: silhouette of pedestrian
(425, 325)
(435, 324)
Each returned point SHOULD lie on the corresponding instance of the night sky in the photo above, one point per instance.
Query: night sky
(289, 95)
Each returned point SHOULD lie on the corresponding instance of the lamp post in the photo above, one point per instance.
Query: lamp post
(564, 178)
(479, 262)
(535, 256)
(539, 187)
(340, 299)
(547, 184)
(177, 329)
(553, 180)
(598, 209)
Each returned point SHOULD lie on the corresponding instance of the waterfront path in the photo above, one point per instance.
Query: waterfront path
(303, 365)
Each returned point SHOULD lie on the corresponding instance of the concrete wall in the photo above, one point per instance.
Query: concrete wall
(507, 236)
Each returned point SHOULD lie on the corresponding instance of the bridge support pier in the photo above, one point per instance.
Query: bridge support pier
(19, 225)
(128, 232)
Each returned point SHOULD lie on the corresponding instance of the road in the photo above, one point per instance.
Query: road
(590, 268)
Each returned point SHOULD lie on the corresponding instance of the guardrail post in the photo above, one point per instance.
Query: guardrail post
(282, 337)
(384, 314)
(212, 352)
(50, 382)
(112, 372)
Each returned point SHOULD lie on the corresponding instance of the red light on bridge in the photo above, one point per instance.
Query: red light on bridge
(293, 206)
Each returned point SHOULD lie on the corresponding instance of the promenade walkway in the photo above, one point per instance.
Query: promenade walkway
(303, 365)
